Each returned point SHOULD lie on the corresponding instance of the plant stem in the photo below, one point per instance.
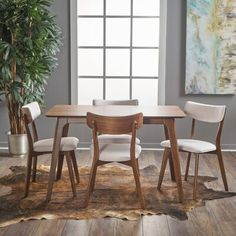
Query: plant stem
(16, 123)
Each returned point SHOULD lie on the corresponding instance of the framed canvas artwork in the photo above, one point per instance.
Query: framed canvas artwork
(211, 47)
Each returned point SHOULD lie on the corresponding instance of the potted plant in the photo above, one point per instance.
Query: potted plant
(29, 41)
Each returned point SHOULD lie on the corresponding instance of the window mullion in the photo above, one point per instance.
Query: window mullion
(131, 50)
(104, 49)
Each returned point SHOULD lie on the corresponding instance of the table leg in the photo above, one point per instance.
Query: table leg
(170, 124)
(172, 172)
(61, 122)
(61, 155)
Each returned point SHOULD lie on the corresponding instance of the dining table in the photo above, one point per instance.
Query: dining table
(165, 115)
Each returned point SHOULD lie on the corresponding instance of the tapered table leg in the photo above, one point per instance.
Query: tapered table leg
(61, 122)
(170, 124)
(172, 173)
(61, 156)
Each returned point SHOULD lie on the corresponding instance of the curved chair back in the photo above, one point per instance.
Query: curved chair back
(99, 102)
(205, 112)
(31, 112)
(122, 153)
(114, 125)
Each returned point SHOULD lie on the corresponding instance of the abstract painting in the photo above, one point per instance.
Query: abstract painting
(211, 47)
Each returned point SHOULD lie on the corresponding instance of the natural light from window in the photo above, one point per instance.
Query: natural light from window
(118, 50)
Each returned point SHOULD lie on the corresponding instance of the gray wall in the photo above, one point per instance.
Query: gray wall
(58, 89)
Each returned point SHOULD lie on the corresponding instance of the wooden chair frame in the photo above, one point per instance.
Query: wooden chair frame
(114, 125)
(167, 154)
(33, 155)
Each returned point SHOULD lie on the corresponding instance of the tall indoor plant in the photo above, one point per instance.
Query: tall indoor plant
(29, 41)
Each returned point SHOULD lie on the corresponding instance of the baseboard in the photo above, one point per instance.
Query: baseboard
(145, 146)
(3, 145)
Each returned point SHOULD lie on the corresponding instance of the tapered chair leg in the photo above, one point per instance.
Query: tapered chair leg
(71, 174)
(187, 167)
(74, 162)
(28, 174)
(60, 165)
(35, 158)
(138, 185)
(163, 167)
(137, 164)
(195, 177)
(222, 169)
(91, 183)
(94, 178)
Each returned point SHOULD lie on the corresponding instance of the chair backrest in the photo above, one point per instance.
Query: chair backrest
(114, 125)
(31, 112)
(205, 112)
(99, 102)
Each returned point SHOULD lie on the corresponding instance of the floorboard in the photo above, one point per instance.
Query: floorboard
(131, 228)
(77, 227)
(155, 225)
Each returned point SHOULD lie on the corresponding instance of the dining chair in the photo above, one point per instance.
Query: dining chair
(119, 138)
(38, 147)
(203, 113)
(125, 153)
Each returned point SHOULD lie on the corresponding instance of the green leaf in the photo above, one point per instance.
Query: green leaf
(29, 37)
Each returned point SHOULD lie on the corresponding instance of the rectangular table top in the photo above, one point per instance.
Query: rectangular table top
(80, 111)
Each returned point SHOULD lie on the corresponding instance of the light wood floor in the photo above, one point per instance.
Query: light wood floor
(218, 217)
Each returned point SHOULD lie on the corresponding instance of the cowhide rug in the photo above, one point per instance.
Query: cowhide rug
(114, 195)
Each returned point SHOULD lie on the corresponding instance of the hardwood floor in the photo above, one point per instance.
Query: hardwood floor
(218, 217)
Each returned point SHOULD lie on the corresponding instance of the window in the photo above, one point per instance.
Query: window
(117, 50)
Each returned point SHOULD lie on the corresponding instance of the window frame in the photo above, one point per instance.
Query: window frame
(74, 56)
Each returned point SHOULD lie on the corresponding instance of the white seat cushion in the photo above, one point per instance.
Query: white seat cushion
(117, 138)
(191, 145)
(116, 152)
(46, 145)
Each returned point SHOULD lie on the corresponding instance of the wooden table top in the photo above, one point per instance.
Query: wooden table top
(80, 111)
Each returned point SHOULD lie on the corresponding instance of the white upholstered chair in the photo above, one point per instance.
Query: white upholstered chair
(126, 153)
(119, 138)
(204, 113)
(37, 147)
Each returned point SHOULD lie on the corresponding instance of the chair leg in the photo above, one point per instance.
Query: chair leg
(91, 183)
(28, 173)
(35, 158)
(71, 174)
(74, 162)
(60, 165)
(222, 169)
(195, 177)
(138, 186)
(94, 177)
(137, 166)
(187, 167)
(163, 167)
